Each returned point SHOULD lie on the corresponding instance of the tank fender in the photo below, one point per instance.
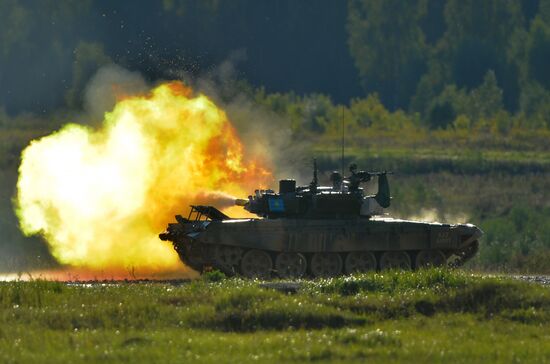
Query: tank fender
(469, 234)
(443, 237)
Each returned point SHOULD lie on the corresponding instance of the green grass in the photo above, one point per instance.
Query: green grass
(429, 316)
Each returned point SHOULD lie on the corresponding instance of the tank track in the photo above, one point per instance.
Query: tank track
(465, 255)
(240, 261)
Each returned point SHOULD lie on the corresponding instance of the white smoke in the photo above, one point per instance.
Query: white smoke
(109, 84)
(434, 215)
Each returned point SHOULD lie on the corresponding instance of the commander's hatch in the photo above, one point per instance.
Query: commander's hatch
(201, 212)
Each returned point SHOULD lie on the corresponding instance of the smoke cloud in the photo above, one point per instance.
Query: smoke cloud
(432, 215)
(110, 84)
(263, 131)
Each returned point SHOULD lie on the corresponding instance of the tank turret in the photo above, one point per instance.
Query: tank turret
(345, 198)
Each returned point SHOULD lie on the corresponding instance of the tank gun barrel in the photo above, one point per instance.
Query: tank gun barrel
(241, 202)
(364, 176)
(377, 173)
(357, 177)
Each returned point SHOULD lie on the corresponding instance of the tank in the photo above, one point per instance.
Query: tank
(318, 231)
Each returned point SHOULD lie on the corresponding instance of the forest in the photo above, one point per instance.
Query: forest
(453, 96)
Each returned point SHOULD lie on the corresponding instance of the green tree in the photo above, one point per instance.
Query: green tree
(531, 51)
(544, 10)
(38, 40)
(492, 21)
(477, 37)
(368, 111)
(445, 107)
(15, 20)
(535, 104)
(432, 22)
(476, 40)
(387, 44)
(317, 112)
(486, 100)
(538, 52)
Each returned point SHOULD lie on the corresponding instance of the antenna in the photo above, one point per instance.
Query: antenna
(314, 182)
(315, 171)
(343, 140)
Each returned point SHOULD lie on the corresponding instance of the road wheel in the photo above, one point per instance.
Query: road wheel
(360, 262)
(227, 258)
(326, 264)
(290, 265)
(430, 258)
(256, 264)
(395, 260)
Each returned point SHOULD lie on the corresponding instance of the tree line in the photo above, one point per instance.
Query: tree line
(440, 59)
(447, 58)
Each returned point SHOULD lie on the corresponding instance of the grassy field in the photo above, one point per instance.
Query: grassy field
(428, 316)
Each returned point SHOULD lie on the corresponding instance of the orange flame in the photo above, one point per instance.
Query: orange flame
(100, 197)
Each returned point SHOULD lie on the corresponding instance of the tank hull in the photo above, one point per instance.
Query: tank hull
(378, 243)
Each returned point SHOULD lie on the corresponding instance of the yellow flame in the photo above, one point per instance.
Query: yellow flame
(100, 197)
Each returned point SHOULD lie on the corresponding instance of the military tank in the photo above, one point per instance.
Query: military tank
(319, 231)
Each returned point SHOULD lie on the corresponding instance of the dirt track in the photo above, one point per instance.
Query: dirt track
(542, 279)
